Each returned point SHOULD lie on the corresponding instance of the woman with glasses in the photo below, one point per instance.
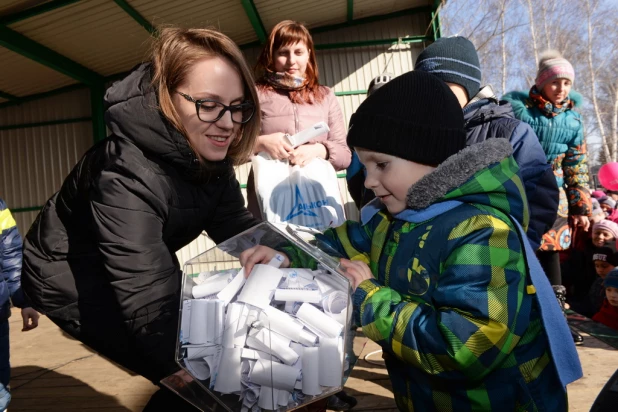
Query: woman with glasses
(293, 100)
(100, 259)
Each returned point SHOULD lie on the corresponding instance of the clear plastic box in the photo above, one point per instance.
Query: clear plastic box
(278, 340)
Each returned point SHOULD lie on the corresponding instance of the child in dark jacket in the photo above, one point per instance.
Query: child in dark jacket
(443, 276)
(608, 315)
(604, 259)
(10, 288)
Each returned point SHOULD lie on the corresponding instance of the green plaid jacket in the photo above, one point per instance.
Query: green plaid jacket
(451, 304)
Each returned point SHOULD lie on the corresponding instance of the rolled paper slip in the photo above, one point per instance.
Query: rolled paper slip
(230, 291)
(269, 398)
(220, 321)
(254, 354)
(275, 375)
(231, 329)
(311, 372)
(336, 306)
(185, 322)
(298, 295)
(198, 368)
(326, 284)
(210, 286)
(309, 133)
(270, 342)
(284, 397)
(307, 338)
(276, 261)
(260, 286)
(282, 323)
(198, 332)
(200, 352)
(228, 376)
(319, 321)
(330, 362)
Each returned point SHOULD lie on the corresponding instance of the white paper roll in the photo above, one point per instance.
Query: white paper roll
(210, 286)
(307, 338)
(272, 343)
(269, 398)
(273, 374)
(185, 322)
(284, 397)
(298, 295)
(198, 332)
(331, 367)
(232, 317)
(198, 368)
(260, 286)
(336, 306)
(228, 376)
(311, 372)
(230, 291)
(282, 323)
(200, 352)
(319, 321)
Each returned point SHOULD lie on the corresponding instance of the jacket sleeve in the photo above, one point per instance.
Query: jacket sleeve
(230, 217)
(339, 154)
(539, 182)
(575, 168)
(129, 218)
(466, 330)
(11, 256)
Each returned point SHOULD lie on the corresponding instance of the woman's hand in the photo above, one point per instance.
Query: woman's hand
(307, 152)
(276, 145)
(260, 254)
(30, 318)
(356, 271)
(582, 221)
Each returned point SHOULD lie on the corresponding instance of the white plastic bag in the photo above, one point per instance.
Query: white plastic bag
(306, 196)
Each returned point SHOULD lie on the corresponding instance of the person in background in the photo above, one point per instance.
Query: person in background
(548, 109)
(604, 260)
(608, 315)
(609, 208)
(355, 173)
(10, 292)
(455, 61)
(291, 100)
(613, 194)
(100, 259)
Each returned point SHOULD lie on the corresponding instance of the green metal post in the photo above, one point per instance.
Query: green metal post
(350, 10)
(254, 18)
(97, 92)
(21, 44)
(35, 11)
(378, 42)
(124, 5)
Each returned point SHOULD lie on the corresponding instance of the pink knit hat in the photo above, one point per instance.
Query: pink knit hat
(553, 66)
(608, 225)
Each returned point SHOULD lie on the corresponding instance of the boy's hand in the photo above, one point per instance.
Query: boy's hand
(356, 271)
(260, 254)
(30, 318)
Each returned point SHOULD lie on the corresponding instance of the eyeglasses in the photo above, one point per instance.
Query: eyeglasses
(210, 111)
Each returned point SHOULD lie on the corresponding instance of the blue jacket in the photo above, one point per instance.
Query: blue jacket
(10, 263)
(488, 118)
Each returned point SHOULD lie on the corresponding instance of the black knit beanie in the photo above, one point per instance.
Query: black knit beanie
(453, 60)
(415, 117)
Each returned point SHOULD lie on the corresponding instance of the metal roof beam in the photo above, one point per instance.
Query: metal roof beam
(350, 10)
(21, 44)
(254, 18)
(141, 20)
(8, 96)
(34, 11)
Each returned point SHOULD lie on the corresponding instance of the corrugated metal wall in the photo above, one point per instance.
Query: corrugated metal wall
(35, 160)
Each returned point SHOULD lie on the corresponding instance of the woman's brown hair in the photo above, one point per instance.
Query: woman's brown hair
(287, 33)
(174, 51)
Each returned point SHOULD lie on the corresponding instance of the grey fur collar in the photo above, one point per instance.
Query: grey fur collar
(456, 170)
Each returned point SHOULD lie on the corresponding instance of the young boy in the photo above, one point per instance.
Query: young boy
(608, 315)
(10, 287)
(605, 259)
(439, 262)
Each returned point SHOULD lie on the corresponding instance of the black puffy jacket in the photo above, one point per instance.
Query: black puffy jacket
(100, 258)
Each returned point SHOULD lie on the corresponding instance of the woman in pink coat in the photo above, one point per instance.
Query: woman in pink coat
(292, 99)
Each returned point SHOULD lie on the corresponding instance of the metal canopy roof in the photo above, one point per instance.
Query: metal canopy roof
(49, 44)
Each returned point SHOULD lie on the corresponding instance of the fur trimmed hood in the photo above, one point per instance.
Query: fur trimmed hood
(457, 170)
